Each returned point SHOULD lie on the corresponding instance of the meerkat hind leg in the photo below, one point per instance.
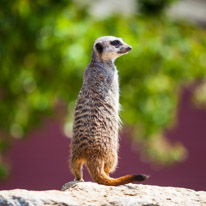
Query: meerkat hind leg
(111, 164)
(76, 167)
(107, 171)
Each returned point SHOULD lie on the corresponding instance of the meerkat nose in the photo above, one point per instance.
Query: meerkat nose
(129, 48)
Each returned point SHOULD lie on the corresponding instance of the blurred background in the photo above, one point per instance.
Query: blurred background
(45, 46)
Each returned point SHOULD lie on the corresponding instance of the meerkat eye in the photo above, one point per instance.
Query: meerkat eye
(116, 43)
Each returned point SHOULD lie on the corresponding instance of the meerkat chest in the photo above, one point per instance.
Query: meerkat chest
(114, 92)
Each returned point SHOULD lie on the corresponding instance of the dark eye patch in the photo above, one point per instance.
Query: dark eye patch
(116, 43)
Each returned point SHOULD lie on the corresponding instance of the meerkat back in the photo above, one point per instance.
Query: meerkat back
(96, 119)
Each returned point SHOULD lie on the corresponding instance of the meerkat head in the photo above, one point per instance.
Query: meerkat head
(108, 48)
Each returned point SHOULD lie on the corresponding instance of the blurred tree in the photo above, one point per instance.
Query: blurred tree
(45, 46)
(199, 97)
(153, 7)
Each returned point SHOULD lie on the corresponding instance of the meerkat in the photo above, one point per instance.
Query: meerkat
(95, 141)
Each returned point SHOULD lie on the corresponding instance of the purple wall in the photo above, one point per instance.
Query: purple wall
(40, 162)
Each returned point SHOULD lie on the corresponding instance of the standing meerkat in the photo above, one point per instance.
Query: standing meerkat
(96, 120)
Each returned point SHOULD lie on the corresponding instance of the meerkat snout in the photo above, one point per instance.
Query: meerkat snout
(124, 50)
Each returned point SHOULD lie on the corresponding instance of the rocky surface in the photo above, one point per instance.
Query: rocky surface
(88, 193)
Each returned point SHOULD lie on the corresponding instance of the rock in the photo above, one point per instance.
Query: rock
(92, 194)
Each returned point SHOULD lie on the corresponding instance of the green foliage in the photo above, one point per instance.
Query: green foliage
(165, 55)
(46, 45)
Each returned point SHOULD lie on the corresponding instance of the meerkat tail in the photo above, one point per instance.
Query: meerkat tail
(99, 176)
(106, 180)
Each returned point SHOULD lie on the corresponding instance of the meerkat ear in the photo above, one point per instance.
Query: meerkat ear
(99, 47)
